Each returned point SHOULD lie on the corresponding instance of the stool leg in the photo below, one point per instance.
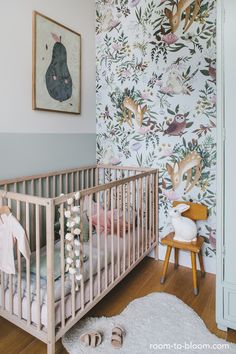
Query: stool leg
(194, 270)
(167, 257)
(176, 258)
(201, 263)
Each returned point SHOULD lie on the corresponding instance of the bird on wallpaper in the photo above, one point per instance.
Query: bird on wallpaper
(177, 126)
(212, 70)
(212, 238)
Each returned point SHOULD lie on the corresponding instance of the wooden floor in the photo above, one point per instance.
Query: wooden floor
(144, 280)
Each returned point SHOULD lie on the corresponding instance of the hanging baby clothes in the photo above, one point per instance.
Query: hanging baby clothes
(11, 229)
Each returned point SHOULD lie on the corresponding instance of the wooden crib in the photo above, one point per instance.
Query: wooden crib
(48, 308)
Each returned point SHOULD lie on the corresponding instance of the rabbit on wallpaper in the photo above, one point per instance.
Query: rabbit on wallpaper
(175, 82)
(185, 228)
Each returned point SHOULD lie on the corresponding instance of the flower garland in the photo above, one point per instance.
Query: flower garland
(72, 240)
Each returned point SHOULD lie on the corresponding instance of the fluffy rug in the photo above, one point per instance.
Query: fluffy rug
(158, 323)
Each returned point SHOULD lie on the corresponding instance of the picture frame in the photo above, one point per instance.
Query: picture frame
(56, 66)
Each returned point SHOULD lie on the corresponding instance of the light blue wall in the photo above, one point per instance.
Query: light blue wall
(27, 154)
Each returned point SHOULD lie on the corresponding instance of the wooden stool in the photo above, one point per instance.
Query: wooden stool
(196, 212)
(193, 247)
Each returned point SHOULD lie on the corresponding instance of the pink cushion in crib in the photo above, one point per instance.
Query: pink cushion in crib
(101, 222)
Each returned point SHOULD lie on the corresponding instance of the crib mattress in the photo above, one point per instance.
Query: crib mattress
(68, 298)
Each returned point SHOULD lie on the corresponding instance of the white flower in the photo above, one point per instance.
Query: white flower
(70, 224)
(72, 270)
(69, 260)
(77, 195)
(70, 201)
(77, 219)
(77, 253)
(69, 237)
(77, 263)
(77, 231)
(68, 247)
(67, 214)
(77, 242)
(79, 277)
(75, 209)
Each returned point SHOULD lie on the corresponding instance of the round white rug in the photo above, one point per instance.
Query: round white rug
(157, 323)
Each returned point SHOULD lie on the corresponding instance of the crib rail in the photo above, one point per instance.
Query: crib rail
(52, 184)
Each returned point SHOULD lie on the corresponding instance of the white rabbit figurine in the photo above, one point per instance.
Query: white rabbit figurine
(185, 228)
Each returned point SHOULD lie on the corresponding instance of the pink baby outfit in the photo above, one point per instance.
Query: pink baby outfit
(11, 229)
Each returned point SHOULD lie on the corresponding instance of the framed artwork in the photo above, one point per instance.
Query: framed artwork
(56, 66)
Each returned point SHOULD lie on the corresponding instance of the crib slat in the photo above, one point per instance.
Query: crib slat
(73, 181)
(98, 244)
(67, 183)
(73, 295)
(92, 177)
(152, 209)
(90, 249)
(142, 219)
(47, 187)
(87, 178)
(18, 267)
(146, 212)
(50, 235)
(129, 220)
(156, 213)
(2, 273)
(60, 185)
(77, 181)
(32, 216)
(3, 289)
(62, 251)
(139, 212)
(105, 235)
(118, 229)
(28, 295)
(82, 180)
(124, 226)
(112, 235)
(40, 187)
(96, 176)
(82, 296)
(151, 191)
(10, 278)
(134, 210)
(24, 187)
(11, 295)
(54, 188)
(38, 298)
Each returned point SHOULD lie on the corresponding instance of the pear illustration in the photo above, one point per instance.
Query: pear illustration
(58, 78)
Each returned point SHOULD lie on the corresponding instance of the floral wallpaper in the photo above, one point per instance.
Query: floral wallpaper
(156, 97)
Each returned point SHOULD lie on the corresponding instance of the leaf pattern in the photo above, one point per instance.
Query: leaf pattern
(174, 74)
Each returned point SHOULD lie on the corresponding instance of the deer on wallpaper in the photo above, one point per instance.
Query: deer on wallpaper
(177, 172)
(181, 7)
(134, 109)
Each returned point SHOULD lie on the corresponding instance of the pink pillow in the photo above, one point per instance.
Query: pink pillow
(101, 221)
(108, 219)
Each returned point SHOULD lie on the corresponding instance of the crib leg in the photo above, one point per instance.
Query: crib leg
(51, 348)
